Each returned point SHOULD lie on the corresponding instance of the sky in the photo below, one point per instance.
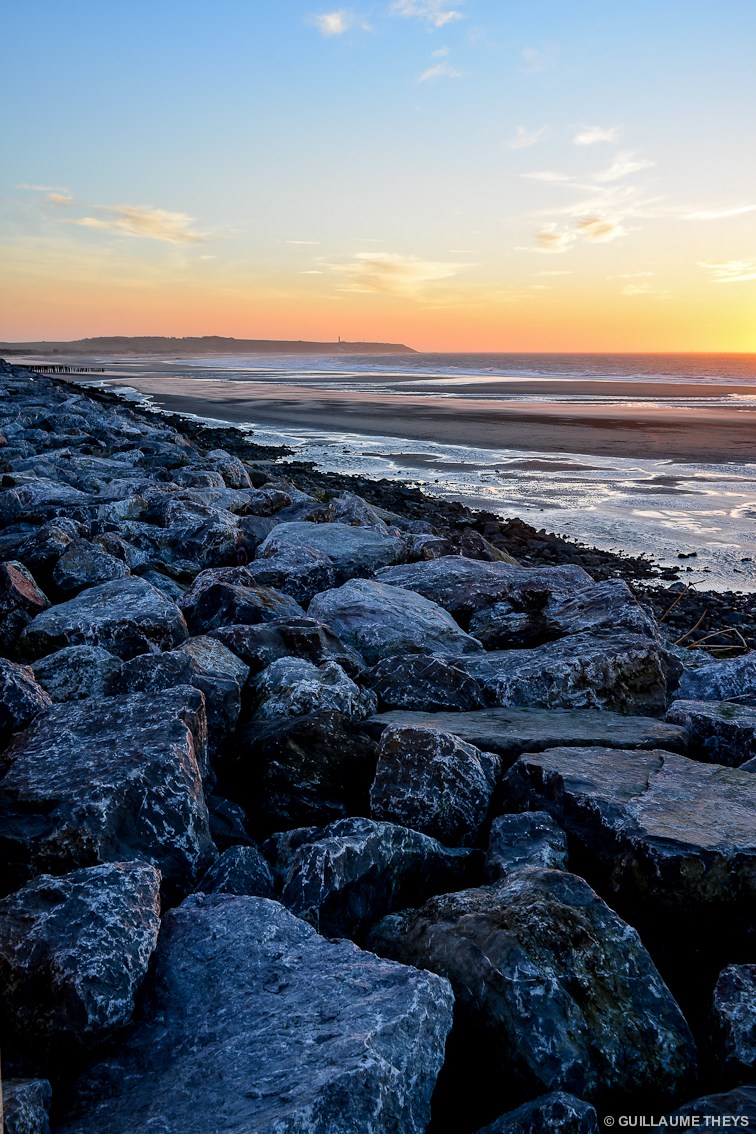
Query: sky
(479, 175)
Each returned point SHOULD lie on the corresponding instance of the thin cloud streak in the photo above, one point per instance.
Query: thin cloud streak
(434, 11)
(590, 135)
(715, 214)
(730, 271)
(441, 70)
(133, 220)
(389, 273)
(622, 167)
(523, 138)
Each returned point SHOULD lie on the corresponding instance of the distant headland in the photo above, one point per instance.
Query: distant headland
(206, 344)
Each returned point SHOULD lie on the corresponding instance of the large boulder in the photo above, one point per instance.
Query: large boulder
(21, 600)
(299, 571)
(352, 550)
(353, 872)
(292, 687)
(108, 780)
(555, 1113)
(670, 841)
(228, 597)
(298, 771)
(74, 950)
(731, 680)
(733, 1018)
(25, 1106)
(75, 672)
(239, 870)
(84, 564)
(21, 697)
(419, 682)
(251, 1020)
(553, 992)
(307, 638)
(626, 673)
(531, 839)
(433, 782)
(510, 732)
(381, 621)
(125, 617)
(720, 732)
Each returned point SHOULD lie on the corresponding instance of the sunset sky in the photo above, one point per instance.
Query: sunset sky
(482, 175)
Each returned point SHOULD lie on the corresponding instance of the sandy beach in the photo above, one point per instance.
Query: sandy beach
(643, 429)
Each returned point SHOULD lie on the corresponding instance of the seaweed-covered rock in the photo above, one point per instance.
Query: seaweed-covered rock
(720, 732)
(126, 617)
(74, 950)
(381, 621)
(25, 1106)
(530, 839)
(75, 672)
(734, 1023)
(433, 782)
(353, 872)
(293, 687)
(231, 976)
(307, 638)
(239, 870)
(21, 697)
(352, 550)
(555, 1113)
(108, 780)
(419, 682)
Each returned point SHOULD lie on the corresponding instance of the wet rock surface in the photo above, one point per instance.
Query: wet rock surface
(230, 976)
(25, 1106)
(556, 1113)
(292, 687)
(720, 732)
(530, 839)
(427, 684)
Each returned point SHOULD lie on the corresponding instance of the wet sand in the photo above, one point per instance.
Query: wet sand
(684, 433)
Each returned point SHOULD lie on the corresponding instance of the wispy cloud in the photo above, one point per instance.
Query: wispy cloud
(590, 135)
(599, 230)
(730, 271)
(536, 58)
(645, 289)
(135, 220)
(440, 71)
(46, 188)
(337, 22)
(442, 51)
(595, 229)
(547, 175)
(301, 242)
(436, 12)
(623, 165)
(549, 239)
(525, 138)
(715, 214)
(391, 274)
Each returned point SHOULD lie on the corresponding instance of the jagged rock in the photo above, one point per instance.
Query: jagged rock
(351, 509)
(610, 605)
(731, 680)
(84, 564)
(734, 1023)
(228, 823)
(280, 848)
(169, 587)
(202, 662)
(231, 976)
(126, 617)
(228, 597)
(738, 1105)
(40, 548)
(357, 870)
(720, 732)
(108, 780)
(21, 698)
(301, 572)
(510, 732)
(381, 621)
(670, 841)
(207, 536)
(190, 477)
(267, 501)
(231, 468)
(39, 501)
(298, 771)
(352, 550)
(464, 586)
(418, 682)
(624, 672)
(25, 1106)
(556, 1113)
(433, 782)
(292, 687)
(307, 638)
(553, 992)
(21, 600)
(239, 870)
(74, 950)
(532, 839)
(75, 672)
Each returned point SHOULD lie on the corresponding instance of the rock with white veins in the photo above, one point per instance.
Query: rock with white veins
(293, 687)
(733, 1017)
(75, 672)
(352, 550)
(21, 697)
(25, 1106)
(720, 732)
(251, 1022)
(530, 839)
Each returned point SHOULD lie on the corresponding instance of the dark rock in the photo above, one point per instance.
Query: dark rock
(354, 551)
(557, 1113)
(301, 572)
(21, 698)
(20, 601)
(418, 682)
(228, 597)
(738, 1105)
(381, 621)
(231, 468)
(41, 547)
(75, 672)
(510, 732)
(298, 771)
(280, 848)
(84, 564)
(260, 645)
(25, 1106)
(734, 1023)
(532, 839)
(720, 732)
(624, 672)
(553, 992)
(228, 823)
(357, 870)
(39, 501)
(268, 501)
(232, 975)
(730, 680)
(433, 782)
(104, 781)
(353, 510)
(239, 870)
(74, 950)
(293, 687)
(126, 617)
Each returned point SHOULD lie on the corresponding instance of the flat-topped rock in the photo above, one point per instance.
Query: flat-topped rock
(510, 732)
(720, 732)
(306, 638)
(352, 550)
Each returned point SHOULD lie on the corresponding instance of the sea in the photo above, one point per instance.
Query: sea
(698, 516)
